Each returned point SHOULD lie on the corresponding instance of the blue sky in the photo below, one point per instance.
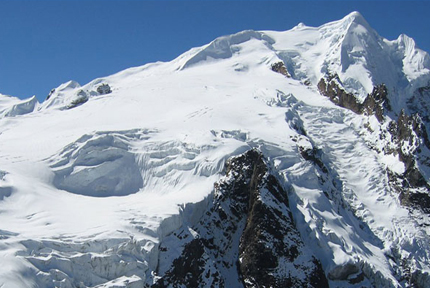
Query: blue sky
(46, 43)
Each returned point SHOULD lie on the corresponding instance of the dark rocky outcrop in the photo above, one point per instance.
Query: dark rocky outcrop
(407, 126)
(331, 87)
(262, 246)
(247, 234)
(104, 89)
(376, 102)
(279, 67)
(50, 93)
(189, 269)
(409, 134)
(313, 155)
(373, 104)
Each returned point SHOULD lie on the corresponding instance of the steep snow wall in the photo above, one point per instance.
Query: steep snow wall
(99, 165)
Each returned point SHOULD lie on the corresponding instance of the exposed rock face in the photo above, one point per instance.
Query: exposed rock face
(331, 87)
(373, 104)
(376, 102)
(104, 89)
(410, 136)
(246, 236)
(270, 240)
(279, 67)
(50, 93)
(407, 126)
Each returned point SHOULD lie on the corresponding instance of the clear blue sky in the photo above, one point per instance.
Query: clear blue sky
(46, 43)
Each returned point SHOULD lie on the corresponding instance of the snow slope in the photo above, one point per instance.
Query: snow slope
(94, 179)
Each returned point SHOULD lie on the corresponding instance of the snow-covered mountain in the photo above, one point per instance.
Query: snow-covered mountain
(263, 159)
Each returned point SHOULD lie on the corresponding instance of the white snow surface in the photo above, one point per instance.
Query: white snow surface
(81, 184)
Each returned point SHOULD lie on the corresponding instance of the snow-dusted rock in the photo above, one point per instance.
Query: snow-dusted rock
(247, 235)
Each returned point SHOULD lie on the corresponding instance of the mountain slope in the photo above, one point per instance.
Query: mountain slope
(246, 236)
(262, 159)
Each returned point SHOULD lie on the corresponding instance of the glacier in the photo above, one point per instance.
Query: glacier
(262, 159)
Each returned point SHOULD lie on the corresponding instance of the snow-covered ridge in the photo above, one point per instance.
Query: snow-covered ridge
(353, 50)
(226, 46)
(349, 47)
(12, 106)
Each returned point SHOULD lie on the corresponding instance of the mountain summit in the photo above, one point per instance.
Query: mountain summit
(263, 159)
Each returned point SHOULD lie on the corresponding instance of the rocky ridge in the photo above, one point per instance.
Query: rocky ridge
(246, 236)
